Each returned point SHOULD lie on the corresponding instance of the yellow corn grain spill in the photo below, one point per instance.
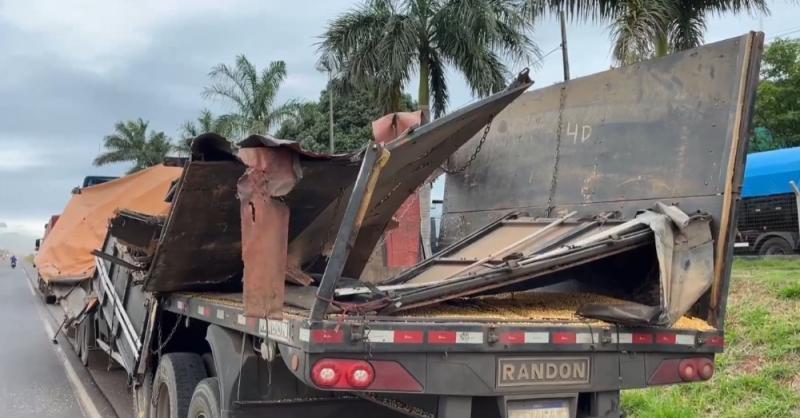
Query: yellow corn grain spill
(532, 306)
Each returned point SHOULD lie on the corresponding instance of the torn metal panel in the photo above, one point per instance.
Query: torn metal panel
(666, 130)
(270, 174)
(318, 198)
(200, 244)
(683, 248)
(414, 157)
(537, 274)
(136, 230)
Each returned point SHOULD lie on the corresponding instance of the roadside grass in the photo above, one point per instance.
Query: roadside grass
(759, 373)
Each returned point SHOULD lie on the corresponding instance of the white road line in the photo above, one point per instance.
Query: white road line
(87, 405)
(28, 282)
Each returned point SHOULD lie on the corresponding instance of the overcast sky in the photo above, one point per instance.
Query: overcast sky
(70, 69)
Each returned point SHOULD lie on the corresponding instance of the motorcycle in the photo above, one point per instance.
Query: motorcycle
(13, 264)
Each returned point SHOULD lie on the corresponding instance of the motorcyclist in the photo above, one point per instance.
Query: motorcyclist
(13, 261)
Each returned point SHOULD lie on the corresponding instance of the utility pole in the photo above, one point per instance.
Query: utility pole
(564, 53)
(330, 107)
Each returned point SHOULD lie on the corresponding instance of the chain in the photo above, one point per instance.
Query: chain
(554, 179)
(477, 150)
(162, 344)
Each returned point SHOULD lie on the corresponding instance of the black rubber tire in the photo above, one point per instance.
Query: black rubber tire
(174, 382)
(143, 396)
(205, 400)
(86, 334)
(775, 246)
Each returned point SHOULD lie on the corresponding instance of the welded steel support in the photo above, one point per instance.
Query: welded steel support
(375, 158)
(270, 174)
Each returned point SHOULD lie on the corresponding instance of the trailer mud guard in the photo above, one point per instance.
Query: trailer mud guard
(235, 363)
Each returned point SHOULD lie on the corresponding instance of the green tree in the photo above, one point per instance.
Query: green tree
(777, 115)
(354, 110)
(642, 29)
(383, 43)
(132, 142)
(205, 123)
(252, 94)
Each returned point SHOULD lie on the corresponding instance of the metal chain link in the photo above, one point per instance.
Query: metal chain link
(163, 343)
(474, 155)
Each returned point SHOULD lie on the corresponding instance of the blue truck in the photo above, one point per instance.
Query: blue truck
(767, 222)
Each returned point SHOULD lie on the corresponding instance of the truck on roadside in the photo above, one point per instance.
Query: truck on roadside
(586, 247)
(768, 221)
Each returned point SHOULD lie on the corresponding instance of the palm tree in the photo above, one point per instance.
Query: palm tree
(132, 142)
(206, 122)
(383, 43)
(252, 94)
(642, 29)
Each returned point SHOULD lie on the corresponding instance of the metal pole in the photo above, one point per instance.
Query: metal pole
(348, 230)
(330, 108)
(564, 53)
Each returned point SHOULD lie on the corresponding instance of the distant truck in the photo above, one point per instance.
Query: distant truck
(586, 250)
(768, 221)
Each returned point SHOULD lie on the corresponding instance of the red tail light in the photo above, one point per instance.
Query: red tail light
(682, 370)
(687, 370)
(362, 375)
(326, 373)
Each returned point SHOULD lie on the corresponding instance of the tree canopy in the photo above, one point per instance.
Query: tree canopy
(642, 29)
(777, 116)
(354, 110)
(384, 43)
(252, 95)
(132, 142)
(206, 122)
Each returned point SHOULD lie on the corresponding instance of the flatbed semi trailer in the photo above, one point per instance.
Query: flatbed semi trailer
(202, 353)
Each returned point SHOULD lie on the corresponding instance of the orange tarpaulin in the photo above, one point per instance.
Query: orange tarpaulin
(66, 253)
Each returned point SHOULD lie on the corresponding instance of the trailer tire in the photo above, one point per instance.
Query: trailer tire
(175, 379)
(143, 396)
(775, 246)
(86, 338)
(205, 400)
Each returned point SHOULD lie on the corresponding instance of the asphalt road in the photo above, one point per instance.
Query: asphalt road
(42, 379)
(33, 379)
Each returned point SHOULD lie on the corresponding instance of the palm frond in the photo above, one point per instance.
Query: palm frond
(438, 85)
(634, 30)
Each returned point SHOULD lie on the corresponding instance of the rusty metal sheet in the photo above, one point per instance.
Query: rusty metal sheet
(413, 158)
(136, 230)
(270, 174)
(200, 245)
(661, 130)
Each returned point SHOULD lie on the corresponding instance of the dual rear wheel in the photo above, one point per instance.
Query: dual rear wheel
(179, 388)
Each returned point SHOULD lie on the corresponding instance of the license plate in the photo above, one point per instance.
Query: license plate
(538, 409)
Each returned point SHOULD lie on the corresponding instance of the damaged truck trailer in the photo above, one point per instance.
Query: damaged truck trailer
(586, 250)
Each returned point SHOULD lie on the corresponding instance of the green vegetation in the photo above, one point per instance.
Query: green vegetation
(759, 373)
(383, 43)
(251, 94)
(131, 142)
(353, 112)
(777, 116)
(206, 122)
(642, 29)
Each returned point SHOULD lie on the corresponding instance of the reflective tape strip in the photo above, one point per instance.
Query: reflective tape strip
(684, 339)
(305, 335)
(262, 326)
(240, 319)
(622, 338)
(220, 314)
(380, 336)
(584, 338)
(181, 305)
(466, 337)
(537, 337)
